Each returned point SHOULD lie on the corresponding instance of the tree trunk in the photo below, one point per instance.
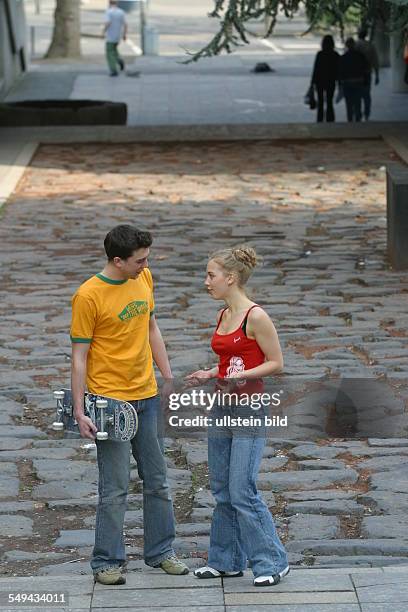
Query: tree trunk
(381, 42)
(398, 65)
(66, 37)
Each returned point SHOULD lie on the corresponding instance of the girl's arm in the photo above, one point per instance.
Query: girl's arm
(261, 327)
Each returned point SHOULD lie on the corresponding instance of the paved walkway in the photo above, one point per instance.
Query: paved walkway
(221, 90)
(345, 590)
(313, 215)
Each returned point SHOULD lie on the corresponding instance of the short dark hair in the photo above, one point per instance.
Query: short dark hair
(328, 43)
(350, 43)
(362, 33)
(123, 240)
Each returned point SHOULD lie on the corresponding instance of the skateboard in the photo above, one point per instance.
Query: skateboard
(115, 419)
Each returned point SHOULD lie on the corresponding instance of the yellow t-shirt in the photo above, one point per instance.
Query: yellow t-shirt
(113, 316)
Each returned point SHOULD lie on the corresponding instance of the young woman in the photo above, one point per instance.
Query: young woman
(324, 77)
(248, 348)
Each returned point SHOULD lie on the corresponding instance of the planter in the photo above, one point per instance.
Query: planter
(62, 112)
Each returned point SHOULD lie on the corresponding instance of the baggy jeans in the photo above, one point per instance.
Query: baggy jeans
(114, 477)
(242, 527)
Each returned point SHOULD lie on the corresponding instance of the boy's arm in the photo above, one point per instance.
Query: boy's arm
(158, 347)
(78, 385)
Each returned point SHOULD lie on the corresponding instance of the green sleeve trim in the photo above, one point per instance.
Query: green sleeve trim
(81, 340)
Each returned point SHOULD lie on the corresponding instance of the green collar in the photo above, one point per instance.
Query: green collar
(105, 279)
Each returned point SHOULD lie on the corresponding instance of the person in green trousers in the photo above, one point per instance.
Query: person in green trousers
(115, 29)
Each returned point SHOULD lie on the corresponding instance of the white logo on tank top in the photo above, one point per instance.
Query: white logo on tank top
(236, 365)
(237, 339)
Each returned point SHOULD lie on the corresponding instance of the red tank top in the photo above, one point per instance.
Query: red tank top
(235, 350)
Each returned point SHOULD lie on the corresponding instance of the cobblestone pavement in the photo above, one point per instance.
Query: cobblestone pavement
(316, 212)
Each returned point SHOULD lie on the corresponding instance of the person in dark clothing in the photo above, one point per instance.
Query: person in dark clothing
(353, 70)
(325, 75)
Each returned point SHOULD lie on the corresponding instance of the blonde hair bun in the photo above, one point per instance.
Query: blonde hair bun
(240, 260)
(245, 255)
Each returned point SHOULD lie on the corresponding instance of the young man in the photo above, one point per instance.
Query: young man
(115, 338)
(115, 29)
(353, 69)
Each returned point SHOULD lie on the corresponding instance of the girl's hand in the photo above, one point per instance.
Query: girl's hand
(200, 375)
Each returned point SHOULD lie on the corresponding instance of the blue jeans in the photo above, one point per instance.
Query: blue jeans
(242, 527)
(114, 476)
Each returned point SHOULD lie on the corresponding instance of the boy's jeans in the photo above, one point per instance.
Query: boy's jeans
(114, 476)
(242, 527)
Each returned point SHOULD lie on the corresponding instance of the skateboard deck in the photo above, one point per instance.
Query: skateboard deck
(114, 419)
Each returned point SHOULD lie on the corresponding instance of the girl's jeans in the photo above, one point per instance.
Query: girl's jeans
(242, 527)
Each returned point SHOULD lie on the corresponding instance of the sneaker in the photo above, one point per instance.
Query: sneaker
(271, 580)
(174, 566)
(121, 64)
(110, 575)
(113, 74)
(210, 572)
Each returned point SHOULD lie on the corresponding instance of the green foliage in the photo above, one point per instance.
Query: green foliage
(234, 17)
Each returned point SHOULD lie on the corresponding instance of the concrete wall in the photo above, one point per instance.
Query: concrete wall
(13, 56)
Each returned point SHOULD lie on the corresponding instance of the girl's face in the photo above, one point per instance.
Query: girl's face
(217, 281)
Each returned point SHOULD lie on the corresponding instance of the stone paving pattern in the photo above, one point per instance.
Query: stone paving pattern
(313, 210)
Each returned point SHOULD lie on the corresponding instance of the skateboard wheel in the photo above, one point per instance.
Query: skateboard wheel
(57, 426)
(59, 395)
(102, 435)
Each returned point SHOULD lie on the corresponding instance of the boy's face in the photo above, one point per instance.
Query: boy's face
(133, 265)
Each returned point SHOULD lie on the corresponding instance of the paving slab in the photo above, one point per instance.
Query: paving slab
(179, 608)
(391, 526)
(15, 525)
(352, 546)
(380, 577)
(166, 597)
(75, 537)
(299, 608)
(305, 479)
(380, 607)
(150, 580)
(330, 508)
(303, 598)
(292, 583)
(383, 593)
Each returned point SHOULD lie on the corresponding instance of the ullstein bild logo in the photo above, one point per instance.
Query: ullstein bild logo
(228, 421)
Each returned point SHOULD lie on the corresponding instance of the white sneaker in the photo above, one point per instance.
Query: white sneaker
(261, 581)
(210, 572)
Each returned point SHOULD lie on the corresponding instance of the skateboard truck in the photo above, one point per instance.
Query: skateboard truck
(101, 405)
(58, 425)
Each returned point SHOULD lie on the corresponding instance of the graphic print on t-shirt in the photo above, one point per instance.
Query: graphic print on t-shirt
(133, 310)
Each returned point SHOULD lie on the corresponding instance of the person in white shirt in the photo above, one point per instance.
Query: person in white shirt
(115, 29)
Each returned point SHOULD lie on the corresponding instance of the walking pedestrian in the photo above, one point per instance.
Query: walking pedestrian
(324, 77)
(248, 348)
(353, 69)
(115, 29)
(115, 338)
(370, 53)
